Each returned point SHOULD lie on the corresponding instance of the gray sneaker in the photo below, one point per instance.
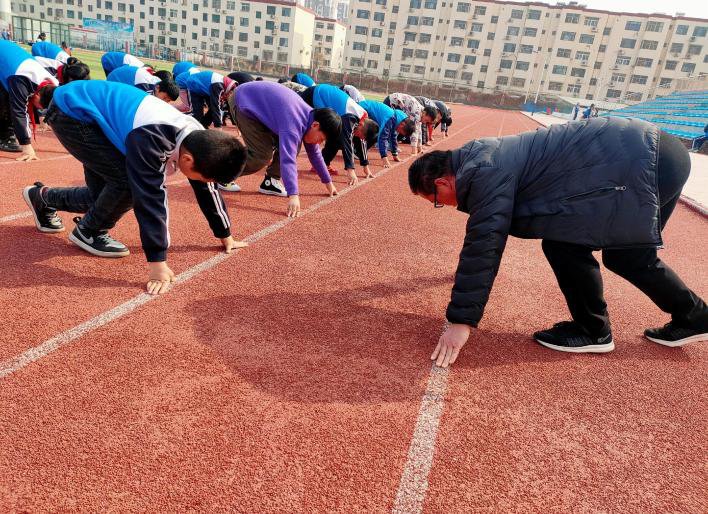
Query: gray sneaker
(97, 242)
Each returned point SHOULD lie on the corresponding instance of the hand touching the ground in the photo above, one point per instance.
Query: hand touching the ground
(230, 244)
(331, 189)
(160, 278)
(367, 172)
(27, 154)
(387, 163)
(353, 179)
(293, 206)
(450, 344)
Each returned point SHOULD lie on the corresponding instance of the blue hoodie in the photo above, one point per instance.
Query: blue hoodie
(207, 86)
(388, 119)
(50, 51)
(304, 79)
(112, 60)
(21, 75)
(134, 76)
(181, 67)
(149, 132)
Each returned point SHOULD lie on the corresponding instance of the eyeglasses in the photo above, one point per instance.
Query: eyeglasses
(436, 204)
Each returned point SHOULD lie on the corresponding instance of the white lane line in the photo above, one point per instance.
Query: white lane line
(501, 126)
(50, 345)
(414, 480)
(44, 159)
(28, 214)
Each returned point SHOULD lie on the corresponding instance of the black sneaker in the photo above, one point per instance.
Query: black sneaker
(675, 336)
(45, 218)
(568, 336)
(272, 186)
(97, 242)
(9, 145)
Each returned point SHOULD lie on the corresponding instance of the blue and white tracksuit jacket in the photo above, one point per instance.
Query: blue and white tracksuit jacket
(149, 132)
(388, 120)
(205, 88)
(112, 60)
(49, 55)
(134, 76)
(21, 75)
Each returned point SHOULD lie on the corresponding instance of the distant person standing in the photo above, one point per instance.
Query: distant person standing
(576, 110)
(42, 36)
(5, 35)
(587, 113)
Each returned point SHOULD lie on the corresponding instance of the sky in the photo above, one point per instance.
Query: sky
(691, 8)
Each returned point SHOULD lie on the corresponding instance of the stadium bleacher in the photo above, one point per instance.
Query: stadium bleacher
(683, 114)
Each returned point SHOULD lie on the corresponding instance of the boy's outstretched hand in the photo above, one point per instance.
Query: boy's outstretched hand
(160, 278)
(450, 344)
(331, 189)
(27, 154)
(230, 244)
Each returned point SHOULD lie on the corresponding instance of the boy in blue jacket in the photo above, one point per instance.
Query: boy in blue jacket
(166, 90)
(112, 60)
(128, 142)
(22, 79)
(356, 127)
(392, 122)
(208, 88)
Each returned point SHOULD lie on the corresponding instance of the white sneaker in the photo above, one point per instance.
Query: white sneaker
(272, 186)
(231, 187)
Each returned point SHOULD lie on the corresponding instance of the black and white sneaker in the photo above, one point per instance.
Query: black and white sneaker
(45, 218)
(10, 145)
(568, 336)
(675, 336)
(97, 242)
(272, 186)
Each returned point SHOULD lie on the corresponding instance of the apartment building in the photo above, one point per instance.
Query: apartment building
(565, 49)
(267, 30)
(329, 40)
(322, 8)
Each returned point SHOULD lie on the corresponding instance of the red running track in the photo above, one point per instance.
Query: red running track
(289, 376)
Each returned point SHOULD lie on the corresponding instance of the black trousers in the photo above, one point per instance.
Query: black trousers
(578, 273)
(6, 130)
(106, 196)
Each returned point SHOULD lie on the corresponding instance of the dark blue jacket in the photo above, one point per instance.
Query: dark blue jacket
(592, 183)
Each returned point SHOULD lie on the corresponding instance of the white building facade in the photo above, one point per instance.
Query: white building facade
(564, 49)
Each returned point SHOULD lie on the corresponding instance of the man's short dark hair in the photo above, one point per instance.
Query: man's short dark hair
(407, 127)
(217, 155)
(74, 70)
(163, 75)
(425, 169)
(431, 111)
(46, 94)
(170, 88)
(330, 122)
(370, 129)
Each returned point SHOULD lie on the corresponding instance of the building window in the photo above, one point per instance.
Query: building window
(505, 64)
(363, 14)
(572, 18)
(453, 57)
(622, 61)
(415, 4)
(582, 56)
(638, 79)
(463, 7)
(466, 76)
(459, 24)
(476, 27)
(654, 26)
(379, 16)
(628, 43)
(688, 67)
(613, 93)
(431, 4)
(560, 70)
(286, 11)
(700, 31)
(405, 68)
(665, 82)
(409, 36)
(376, 33)
(517, 14)
(456, 41)
(682, 30)
(509, 48)
(635, 26)
(424, 38)
(555, 86)
(618, 77)
(671, 65)
(526, 49)
(512, 31)
(567, 36)
(643, 62)
(649, 45)
(518, 82)
(502, 81)
(470, 59)
(694, 49)
(359, 47)
(487, 52)
(285, 27)
(522, 65)
(531, 32)
(243, 37)
(587, 39)
(676, 48)
(412, 20)
(427, 20)
(563, 52)
(591, 21)
(419, 54)
(533, 14)
(472, 43)
(361, 30)
(374, 49)
(450, 74)
(480, 10)
(573, 89)
(577, 72)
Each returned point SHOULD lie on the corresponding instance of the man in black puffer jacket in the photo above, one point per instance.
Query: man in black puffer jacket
(608, 183)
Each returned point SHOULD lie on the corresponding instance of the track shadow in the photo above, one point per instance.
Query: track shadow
(23, 250)
(323, 347)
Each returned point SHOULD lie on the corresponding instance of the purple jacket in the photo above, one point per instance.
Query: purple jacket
(288, 117)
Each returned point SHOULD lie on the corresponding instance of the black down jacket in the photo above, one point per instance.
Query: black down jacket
(592, 183)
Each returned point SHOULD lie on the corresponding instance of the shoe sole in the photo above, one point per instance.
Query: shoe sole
(11, 149)
(90, 249)
(25, 195)
(271, 193)
(675, 344)
(590, 348)
(229, 190)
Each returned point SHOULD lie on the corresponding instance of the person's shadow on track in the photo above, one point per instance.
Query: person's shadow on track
(351, 345)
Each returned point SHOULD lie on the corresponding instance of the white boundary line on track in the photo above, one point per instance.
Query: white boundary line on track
(414, 480)
(35, 353)
(40, 161)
